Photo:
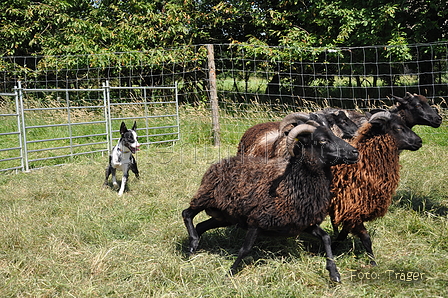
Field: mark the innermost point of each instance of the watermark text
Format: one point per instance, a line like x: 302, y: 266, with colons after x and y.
x: 388, y: 275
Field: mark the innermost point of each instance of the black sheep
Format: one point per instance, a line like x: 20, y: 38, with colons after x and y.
x: 275, y: 197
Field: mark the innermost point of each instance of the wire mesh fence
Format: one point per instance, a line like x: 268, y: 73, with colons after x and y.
x: 255, y: 83
x: 278, y: 80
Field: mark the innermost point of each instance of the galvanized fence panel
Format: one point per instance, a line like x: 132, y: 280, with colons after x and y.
x: 157, y: 108
x: 54, y: 126
x: 60, y: 124
x: 11, y: 154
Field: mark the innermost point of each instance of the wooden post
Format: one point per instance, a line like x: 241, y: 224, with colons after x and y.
x: 213, y: 94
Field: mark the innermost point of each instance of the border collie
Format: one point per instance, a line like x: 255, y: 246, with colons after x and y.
x: 121, y: 157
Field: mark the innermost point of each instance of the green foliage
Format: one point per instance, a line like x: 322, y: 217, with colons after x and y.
x: 51, y: 27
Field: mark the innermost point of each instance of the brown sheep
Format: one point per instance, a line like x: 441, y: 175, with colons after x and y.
x: 363, y: 191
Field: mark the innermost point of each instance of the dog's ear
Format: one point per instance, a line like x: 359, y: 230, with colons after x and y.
x: 123, y: 128
x: 135, y: 126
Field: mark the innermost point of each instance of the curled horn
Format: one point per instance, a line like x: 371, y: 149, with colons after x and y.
x: 296, y: 131
x: 313, y: 123
x: 293, y: 119
x: 380, y: 115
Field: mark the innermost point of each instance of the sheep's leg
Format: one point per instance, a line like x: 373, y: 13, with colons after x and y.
x: 251, y: 236
x: 188, y: 215
x: 211, y: 223
x: 317, y: 231
x: 361, y: 232
x: 342, y: 235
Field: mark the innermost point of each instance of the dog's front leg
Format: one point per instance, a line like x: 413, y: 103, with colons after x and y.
x: 114, y: 176
x: 133, y: 167
x: 124, y: 179
x: 108, y: 172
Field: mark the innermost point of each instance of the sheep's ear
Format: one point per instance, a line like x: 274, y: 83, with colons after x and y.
x: 401, y: 100
x: 378, y: 124
x: 379, y: 120
x: 123, y: 128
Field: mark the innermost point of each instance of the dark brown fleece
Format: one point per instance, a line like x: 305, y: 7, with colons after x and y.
x: 258, y: 140
x: 279, y: 196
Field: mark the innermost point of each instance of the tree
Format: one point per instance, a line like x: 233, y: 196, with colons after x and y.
x: 86, y: 26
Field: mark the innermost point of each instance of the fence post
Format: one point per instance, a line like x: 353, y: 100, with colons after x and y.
x: 213, y: 94
x: 19, y: 91
x: 106, y: 94
x: 19, y: 108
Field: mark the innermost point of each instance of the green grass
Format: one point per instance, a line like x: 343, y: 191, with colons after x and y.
x: 63, y: 235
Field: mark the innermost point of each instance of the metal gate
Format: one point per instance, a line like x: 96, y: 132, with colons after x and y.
x: 11, y: 154
x: 55, y: 126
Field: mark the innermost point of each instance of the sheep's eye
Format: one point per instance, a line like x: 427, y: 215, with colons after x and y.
x: 419, y: 106
x: 322, y: 142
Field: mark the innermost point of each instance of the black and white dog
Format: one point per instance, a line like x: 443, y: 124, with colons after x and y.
x: 121, y: 157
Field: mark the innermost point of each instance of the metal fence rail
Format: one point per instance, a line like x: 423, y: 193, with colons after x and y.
x: 53, y: 126
x: 172, y: 130
x: 11, y: 157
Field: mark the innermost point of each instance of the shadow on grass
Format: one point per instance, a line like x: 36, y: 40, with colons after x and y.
x: 421, y: 204
x: 226, y: 242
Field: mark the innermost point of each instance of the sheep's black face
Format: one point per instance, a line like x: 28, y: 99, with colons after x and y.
x: 327, y: 148
x: 405, y: 138
x: 347, y: 126
x: 417, y: 111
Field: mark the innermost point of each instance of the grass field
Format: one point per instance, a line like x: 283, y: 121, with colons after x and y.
x: 63, y: 235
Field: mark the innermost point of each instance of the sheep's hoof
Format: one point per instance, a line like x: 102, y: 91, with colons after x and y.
x: 191, y: 252
x: 194, y: 243
x: 335, y: 277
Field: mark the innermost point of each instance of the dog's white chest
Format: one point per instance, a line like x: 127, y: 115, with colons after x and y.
x: 120, y: 158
